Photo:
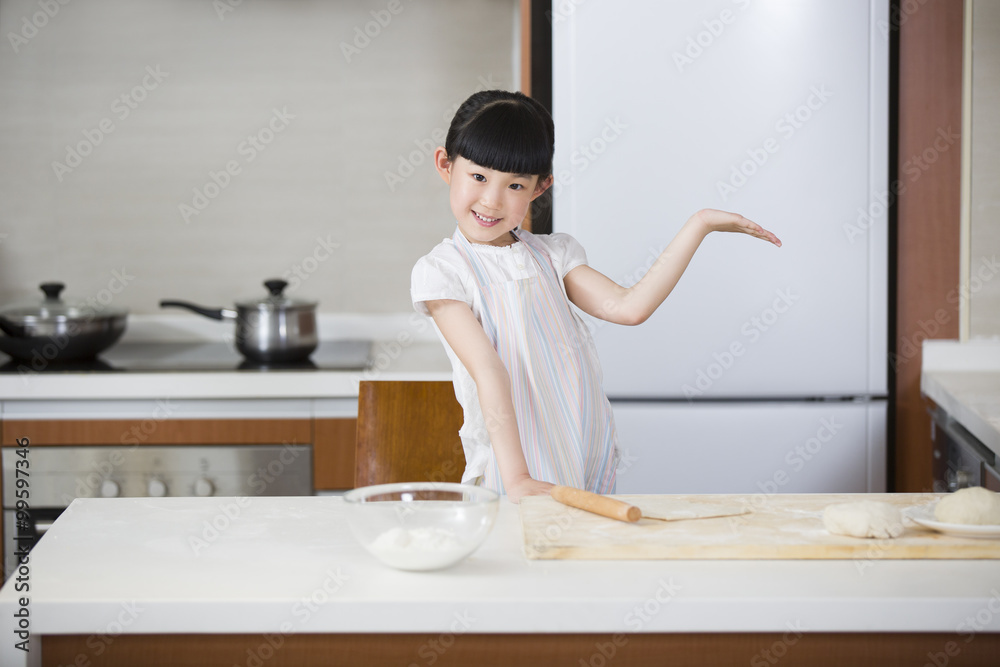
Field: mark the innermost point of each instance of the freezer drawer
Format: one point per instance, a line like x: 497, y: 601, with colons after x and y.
x: 753, y: 447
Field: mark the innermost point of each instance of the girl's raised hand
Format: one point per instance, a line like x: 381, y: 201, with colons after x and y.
x: 723, y: 221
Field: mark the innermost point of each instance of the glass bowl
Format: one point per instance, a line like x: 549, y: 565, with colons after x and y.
x: 421, y: 525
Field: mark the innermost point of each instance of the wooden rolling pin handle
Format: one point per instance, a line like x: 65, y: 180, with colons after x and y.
x: 598, y: 504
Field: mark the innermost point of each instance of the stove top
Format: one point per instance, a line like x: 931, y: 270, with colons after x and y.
x: 338, y: 355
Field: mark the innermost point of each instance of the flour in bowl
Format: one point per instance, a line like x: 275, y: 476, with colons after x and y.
x: 418, y: 548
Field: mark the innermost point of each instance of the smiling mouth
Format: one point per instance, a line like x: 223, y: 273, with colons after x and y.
x: 486, y: 220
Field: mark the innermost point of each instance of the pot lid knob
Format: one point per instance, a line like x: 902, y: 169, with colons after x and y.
x: 275, y: 287
x: 52, y: 290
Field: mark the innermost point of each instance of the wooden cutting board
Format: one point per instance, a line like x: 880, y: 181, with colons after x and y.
x: 778, y: 526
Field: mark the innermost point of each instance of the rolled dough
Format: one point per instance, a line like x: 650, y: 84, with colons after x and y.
x: 864, y: 518
x: 974, y: 505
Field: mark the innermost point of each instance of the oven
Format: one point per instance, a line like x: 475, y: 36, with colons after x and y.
x: 242, y: 457
x: 960, y: 459
x: 59, y: 474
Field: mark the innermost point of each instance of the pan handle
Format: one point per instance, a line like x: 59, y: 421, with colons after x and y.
x: 214, y: 313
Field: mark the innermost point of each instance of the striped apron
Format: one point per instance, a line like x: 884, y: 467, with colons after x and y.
x: 563, y: 417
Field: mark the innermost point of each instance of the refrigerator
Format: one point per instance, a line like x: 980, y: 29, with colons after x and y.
x: 765, y: 370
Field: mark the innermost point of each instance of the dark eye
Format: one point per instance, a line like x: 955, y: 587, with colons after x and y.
x: 479, y: 177
x: 516, y: 186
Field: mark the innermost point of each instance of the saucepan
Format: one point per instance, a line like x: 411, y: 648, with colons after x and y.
x: 53, y: 331
x: 272, y: 329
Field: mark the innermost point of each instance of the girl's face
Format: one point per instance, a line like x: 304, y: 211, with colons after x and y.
x: 487, y: 203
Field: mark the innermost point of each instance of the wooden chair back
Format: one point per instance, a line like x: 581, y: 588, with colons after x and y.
x: 408, y: 432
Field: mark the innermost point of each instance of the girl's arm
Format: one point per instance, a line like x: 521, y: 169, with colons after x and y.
x: 596, y: 294
x: 468, y: 340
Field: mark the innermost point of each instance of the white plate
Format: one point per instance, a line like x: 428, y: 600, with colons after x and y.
x: 924, y: 516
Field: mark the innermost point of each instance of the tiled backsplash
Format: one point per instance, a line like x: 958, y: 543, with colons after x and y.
x: 178, y: 149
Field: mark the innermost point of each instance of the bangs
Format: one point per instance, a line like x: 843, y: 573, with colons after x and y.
x: 505, y: 136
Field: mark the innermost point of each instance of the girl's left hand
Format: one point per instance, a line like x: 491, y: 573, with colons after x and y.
x: 527, y: 487
x: 723, y: 221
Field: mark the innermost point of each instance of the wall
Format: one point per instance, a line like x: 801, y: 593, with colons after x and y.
x: 193, y: 149
x: 984, y: 209
x: 928, y: 214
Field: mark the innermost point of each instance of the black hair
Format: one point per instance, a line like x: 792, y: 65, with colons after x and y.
x: 503, y: 130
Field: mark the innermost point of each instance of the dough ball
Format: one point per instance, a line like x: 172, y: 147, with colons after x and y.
x: 974, y: 505
x: 864, y: 518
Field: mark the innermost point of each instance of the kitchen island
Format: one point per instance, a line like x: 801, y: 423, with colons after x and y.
x: 281, y: 581
x: 963, y: 379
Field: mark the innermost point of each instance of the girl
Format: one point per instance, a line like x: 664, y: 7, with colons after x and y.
x: 525, y: 368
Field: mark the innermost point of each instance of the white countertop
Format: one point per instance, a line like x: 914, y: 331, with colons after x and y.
x: 964, y: 380
x: 291, y: 565
x: 404, y: 348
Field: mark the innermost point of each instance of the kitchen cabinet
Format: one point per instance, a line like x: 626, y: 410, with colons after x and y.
x: 332, y: 442
x: 332, y: 439
x: 960, y: 383
x: 140, y: 431
x: 326, y: 601
x: 184, y: 411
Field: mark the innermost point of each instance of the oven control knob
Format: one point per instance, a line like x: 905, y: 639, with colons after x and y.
x: 110, y: 489
x: 203, y: 487
x: 157, y: 488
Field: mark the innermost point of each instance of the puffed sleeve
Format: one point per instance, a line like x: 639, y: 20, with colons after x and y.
x: 567, y: 253
x: 432, y: 278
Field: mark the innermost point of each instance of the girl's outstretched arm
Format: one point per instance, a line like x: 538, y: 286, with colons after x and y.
x: 468, y: 340
x: 596, y: 294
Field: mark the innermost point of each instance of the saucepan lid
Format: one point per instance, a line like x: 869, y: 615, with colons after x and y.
x: 276, y: 300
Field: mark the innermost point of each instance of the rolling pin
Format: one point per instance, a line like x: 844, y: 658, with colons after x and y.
x: 598, y: 504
